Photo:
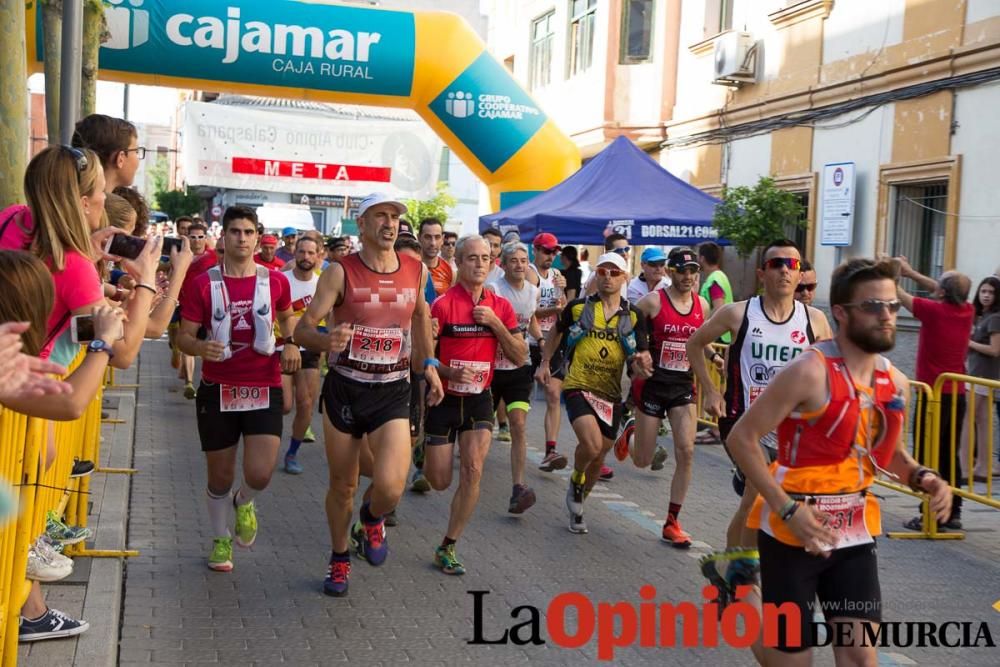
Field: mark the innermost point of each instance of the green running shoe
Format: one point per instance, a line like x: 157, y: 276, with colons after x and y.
x: 447, y: 561
x: 221, y: 559
x: 246, y: 524
x: 503, y: 433
x: 309, y: 436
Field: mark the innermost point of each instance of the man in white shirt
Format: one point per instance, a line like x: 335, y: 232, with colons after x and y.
x: 652, y: 277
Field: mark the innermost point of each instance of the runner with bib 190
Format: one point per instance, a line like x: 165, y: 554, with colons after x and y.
x: 372, y: 300
x: 237, y: 302
x: 473, y: 323
x: 840, y: 414
x: 598, y: 347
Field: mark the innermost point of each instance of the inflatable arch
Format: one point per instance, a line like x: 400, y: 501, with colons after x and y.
x: 431, y: 62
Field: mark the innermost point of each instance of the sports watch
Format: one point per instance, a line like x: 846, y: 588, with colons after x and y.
x: 100, y: 346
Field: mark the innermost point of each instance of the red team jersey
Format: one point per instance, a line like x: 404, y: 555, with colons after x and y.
x: 462, y: 342
x: 245, y: 367
x: 669, y: 332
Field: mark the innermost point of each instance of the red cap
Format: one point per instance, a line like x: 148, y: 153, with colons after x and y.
x: 547, y: 241
x: 269, y: 239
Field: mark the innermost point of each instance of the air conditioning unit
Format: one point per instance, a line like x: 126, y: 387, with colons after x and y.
x: 735, y: 59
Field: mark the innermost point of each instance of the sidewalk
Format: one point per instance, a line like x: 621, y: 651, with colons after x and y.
x: 270, y: 609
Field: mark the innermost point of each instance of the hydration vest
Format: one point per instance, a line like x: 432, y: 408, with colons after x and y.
x: 263, y: 318
x: 830, y: 437
x: 584, y: 325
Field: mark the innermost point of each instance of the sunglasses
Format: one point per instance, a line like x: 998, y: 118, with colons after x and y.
x: 805, y: 287
x: 450, y: 244
x: 605, y: 272
x: 789, y: 263
x: 197, y: 238
x: 546, y: 251
x: 875, y: 306
x: 79, y: 157
x: 622, y: 251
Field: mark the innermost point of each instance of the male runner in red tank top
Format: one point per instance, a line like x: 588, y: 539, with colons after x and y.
x: 373, y: 300
x: 674, y: 313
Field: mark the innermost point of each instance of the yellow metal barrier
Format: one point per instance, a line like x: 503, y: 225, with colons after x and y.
x: 966, y: 487
x: 718, y: 379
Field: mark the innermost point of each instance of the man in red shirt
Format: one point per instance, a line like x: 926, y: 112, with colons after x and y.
x: 473, y: 321
x: 240, y: 392
x: 945, y: 327
x: 267, y: 256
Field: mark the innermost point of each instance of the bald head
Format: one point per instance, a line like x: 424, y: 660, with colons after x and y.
x: 954, y: 287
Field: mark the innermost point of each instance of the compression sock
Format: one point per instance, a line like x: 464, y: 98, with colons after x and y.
x: 219, y: 508
x: 293, y: 447
x: 245, y: 495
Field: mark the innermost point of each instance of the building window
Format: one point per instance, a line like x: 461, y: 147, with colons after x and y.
x: 637, y: 31
x: 718, y: 16
x: 583, y: 16
x: 800, y: 234
x: 918, y: 229
x: 542, y: 36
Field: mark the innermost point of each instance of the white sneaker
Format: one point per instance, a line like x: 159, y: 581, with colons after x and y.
x: 42, y: 569
x: 48, y: 551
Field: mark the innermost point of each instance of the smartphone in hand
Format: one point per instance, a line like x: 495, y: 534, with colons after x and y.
x: 124, y: 246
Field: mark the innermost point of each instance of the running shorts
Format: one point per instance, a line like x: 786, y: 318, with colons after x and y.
x: 513, y: 387
x: 556, y: 366
x: 359, y: 408
x: 221, y: 430
x: 310, y: 360
x: 578, y: 406
x: 457, y: 414
x: 657, y: 395
x: 846, y: 584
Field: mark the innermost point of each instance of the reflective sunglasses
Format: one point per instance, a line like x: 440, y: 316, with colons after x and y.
x: 604, y: 272
x: 875, y: 306
x: 805, y: 287
x: 789, y: 263
x: 622, y: 251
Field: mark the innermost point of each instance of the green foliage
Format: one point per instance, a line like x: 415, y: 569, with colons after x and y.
x: 751, y: 217
x: 439, y: 206
x: 157, y: 174
x: 176, y: 203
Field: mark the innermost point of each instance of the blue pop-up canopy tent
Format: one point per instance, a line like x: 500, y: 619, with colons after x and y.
x: 620, y: 190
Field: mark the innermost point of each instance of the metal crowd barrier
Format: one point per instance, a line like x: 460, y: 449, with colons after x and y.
x: 965, y: 487
x: 718, y: 379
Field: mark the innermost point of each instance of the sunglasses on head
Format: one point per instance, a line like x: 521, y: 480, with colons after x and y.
x: 622, y: 251
x: 805, y: 287
x: 875, y: 306
x: 604, y: 272
x: 790, y: 263
x: 79, y: 157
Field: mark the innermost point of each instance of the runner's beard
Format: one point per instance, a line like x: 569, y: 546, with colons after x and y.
x: 305, y: 267
x: 872, y: 340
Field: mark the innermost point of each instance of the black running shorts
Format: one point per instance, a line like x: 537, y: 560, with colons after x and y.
x: 513, y: 387
x: 221, y: 430
x: 359, y: 408
x: 456, y: 414
x: 310, y: 361
x: 846, y: 584
x: 556, y: 366
x: 578, y: 406
x: 657, y: 395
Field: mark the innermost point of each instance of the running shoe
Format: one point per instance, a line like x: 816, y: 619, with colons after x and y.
x: 369, y: 541
x: 81, y: 468
x: 447, y: 561
x: 744, y: 569
x: 53, y: 624
x: 60, y: 533
x: 553, y: 461
x: 190, y: 393
x: 47, y: 565
x: 419, y: 483
x: 503, y: 433
x: 521, y: 499
x: 292, y: 465
x: 624, y: 440
x: 337, y: 576
x: 662, y: 430
x: 674, y: 535
x: 577, y: 525
x: 659, y: 458
x: 711, y: 572
x: 246, y: 524
x: 607, y: 474
x: 221, y: 558
x: 390, y: 519
x: 575, y: 495
x: 309, y: 436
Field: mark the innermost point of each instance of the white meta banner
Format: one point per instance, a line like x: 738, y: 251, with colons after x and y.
x: 837, y: 211
x: 244, y: 148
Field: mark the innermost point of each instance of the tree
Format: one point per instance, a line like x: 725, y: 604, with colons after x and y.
x: 158, y: 174
x: 52, y: 40
x: 95, y: 33
x: 176, y: 203
x: 438, y: 206
x: 751, y: 217
x: 13, y: 101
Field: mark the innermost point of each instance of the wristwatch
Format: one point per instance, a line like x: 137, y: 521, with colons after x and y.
x: 100, y: 346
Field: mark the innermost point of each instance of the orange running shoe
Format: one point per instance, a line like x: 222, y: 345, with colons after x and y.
x: 624, y: 440
x: 675, y: 535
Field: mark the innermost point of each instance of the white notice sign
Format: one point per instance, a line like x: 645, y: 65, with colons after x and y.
x: 837, y: 215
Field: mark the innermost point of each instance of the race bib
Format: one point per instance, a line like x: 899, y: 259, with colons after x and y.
x: 480, y: 370
x: 674, y: 357
x: 847, y: 517
x: 546, y: 323
x: 502, y: 363
x: 376, y: 346
x: 605, y: 409
x: 236, y: 398
x: 754, y: 393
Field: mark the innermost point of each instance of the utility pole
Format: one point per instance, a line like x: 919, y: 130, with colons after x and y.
x: 72, y: 68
